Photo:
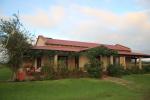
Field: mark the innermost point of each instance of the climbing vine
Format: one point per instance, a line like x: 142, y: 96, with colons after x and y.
x: 94, y: 67
x: 101, y: 50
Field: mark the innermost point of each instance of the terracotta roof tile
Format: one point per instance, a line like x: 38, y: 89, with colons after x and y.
x: 59, y: 48
x: 118, y: 47
x: 71, y: 43
x: 133, y: 54
x: 76, y: 46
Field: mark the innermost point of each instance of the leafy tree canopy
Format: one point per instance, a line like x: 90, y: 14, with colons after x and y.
x: 15, y: 40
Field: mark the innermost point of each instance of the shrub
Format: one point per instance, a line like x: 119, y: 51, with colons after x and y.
x: 115, y: 70
x: 136, y: 70
x: 47, y: 72
x: 77, y: 73
x: 94, y: 69
x: 36, y: 76
x: 146, y: 68
x: 127, y: 71
x: 62, y: 70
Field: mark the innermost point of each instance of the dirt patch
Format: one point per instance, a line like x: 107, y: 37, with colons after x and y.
x: 118, y: 81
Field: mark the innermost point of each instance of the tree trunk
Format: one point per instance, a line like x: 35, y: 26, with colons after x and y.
x: 14, y: 76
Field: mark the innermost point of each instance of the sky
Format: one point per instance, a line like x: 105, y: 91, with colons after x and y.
x: 125, y: 22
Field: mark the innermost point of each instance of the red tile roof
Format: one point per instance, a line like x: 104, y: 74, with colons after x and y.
x: 118, y: 47
x: 67, y: 45
x: 84, y: 44
x: 71, y: 43
x: 133, y: 54
x: 75, y: 46
x: 60, y: 48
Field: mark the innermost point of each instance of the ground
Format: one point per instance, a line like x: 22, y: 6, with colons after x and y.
x: 131, y: 87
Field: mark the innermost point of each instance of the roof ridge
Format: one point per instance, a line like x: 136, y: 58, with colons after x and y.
x: 122, y: 46
x: 73, y: 41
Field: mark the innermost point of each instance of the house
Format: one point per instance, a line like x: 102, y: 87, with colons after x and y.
x: 125, y: 54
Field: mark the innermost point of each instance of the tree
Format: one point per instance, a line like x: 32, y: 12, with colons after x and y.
x: 15, y: 40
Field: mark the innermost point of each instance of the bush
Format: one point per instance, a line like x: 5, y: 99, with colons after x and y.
x: 136, y: 70
x: 94, y: 69
x: 115, y: 70
x: 36, y: 76
x: 146, y: 68
x: 62, y: 70
x: 127, y: 71
x: 77, y: 73
x: 47, y: 72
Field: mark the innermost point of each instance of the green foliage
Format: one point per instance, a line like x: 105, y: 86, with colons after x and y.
x: 101, y: 50
x: 62, y: 69
x: 135, y: 70
x: 16, y: 41
x: 115, y: 70
x: 94, y: 69
x: 146, y: 68
x: 38, y: 53
x: 47, y: 72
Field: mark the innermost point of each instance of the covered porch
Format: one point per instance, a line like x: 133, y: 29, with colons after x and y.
x: 57, y: 61
x: 78, y: 62
x: 133, y: 59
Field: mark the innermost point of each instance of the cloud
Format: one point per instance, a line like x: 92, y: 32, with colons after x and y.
x: 143, y: 3
x: 131, y: 29
x: 45, y: 19
x: 86, y: 23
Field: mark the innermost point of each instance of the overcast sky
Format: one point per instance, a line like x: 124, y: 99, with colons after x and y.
x: 124, y: 22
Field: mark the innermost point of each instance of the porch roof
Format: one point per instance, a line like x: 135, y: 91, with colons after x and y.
x: 60, y: 48
x: 134, y: 54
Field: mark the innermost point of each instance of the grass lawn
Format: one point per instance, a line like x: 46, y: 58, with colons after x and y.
x: 138, y: 88
x: 5, y: 73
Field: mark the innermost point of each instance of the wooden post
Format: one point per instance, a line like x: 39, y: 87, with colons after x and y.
x: 117, y: 60
x: 123, y: 61
x: 35, y: 63
x: 105, y: 62
x: 135, y: 63
x: 140, y: 63
x: 111, y: 60
x: 55, y: 61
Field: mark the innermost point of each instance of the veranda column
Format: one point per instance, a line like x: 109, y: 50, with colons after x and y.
x: 105, y: 62
x: 140, y: 63
x: 111, y: 60
x: 35, y: 63
x: 123, y: 61
x: 135, y: 63
x: 55, y: 61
